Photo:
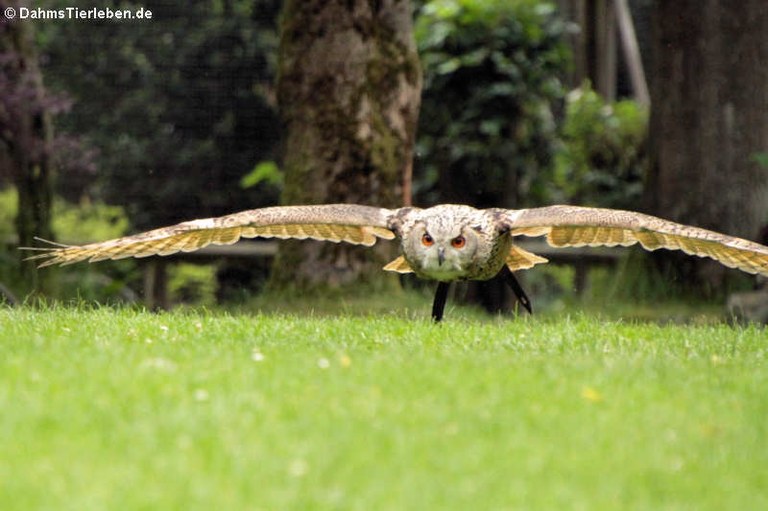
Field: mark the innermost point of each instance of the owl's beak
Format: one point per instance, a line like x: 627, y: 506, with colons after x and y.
x: 440, y: 255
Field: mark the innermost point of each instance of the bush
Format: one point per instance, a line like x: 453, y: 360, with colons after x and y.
x: 8, y: 205
x: 603, y: 154
x: 88, y: 221
x: 192, y: 284
x: 492, y: 89
x: 75, y: 223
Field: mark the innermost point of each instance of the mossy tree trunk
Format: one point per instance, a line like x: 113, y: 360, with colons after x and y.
x: 709, y: 124
x: 25, y: 137
x: 349, y: 85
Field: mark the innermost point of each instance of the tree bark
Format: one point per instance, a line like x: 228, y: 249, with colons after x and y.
x: 709, y: 121
x: 348, y: 91
x: 25, y: 137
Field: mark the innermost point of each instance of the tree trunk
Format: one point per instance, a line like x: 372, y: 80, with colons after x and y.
x: 26, y: 134
x: 709, y: 123
x: 348, y: 91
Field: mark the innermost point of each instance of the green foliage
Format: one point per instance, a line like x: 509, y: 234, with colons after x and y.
x: 179, y: 108
x: 9, y: 260
x: 121, y: 409
x: 9, y: 203
x: 264, y: 172
x: 603, y: 156
x: 491, y: 87
x: 761, y: 158
x: 192, y: 284
x: 88, y: 221
x: 112, y: 282
x: 175, y: 111
x: 83, y: 222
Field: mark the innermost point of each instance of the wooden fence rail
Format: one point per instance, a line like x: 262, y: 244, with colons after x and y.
x: 156, y: 268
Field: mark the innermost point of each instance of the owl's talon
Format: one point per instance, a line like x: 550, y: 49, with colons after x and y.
x: 441, y: 295
x: 446, y: 243
x: 515, y: 286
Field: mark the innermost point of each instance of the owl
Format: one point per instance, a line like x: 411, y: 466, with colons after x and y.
x: 444, y: 243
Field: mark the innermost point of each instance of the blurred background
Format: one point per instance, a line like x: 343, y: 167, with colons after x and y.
x: 111, y: 127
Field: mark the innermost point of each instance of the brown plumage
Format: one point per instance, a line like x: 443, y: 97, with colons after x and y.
x: 444, y: 243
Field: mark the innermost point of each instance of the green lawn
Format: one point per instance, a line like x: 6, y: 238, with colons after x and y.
x: 118, y: 409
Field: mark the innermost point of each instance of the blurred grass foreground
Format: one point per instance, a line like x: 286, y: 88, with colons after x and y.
x: 116, y: 408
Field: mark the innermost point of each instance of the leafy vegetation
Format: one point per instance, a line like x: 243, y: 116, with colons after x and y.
x: 602, y: 159
x: 185, y: 104
x: 85, y: 221
x: 82, y: 222
x: 761, y: 158
x: 263, y: 172
x: 492, y: 87
x: 118, y: 408
x: 151, y: 114
x: 178, y: 109
x: 116, y: 281
x: 492, y: 124
x: 8, y: 206
x: 193, y: 283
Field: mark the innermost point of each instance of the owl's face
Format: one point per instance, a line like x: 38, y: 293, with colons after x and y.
x: 440, y: 250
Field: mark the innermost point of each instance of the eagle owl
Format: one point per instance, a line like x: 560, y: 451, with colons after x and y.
x: 445, y: 243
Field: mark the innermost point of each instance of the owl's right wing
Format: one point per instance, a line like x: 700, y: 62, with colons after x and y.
x: 572, y: 226
x: 351, y: 223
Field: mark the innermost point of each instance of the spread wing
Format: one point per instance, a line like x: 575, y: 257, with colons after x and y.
x: 351, y: 223
x: 572, y: 226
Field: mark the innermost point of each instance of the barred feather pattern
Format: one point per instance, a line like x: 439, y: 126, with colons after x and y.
x: 359, y: 225
x: 563, y: 226
x: 520, y: 259
x: 572, y: 226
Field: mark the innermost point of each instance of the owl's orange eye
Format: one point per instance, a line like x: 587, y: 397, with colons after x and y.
x: 427, y: 240
x: 458, y: 242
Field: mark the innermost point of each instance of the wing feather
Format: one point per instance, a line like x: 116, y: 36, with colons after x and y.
x: 520, y: 259
x: 572, y: 226
x: 350, y: 223
x: 399, y: 265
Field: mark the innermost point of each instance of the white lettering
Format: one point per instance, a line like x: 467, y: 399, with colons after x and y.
x: 77, y: 13
x: 40, y: 14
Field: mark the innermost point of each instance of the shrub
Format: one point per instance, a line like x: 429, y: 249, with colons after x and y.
x: 603, y: 153
x: 492, y: 88
x: 75, y: 223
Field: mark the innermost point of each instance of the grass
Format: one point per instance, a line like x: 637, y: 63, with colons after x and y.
x: 122, y: 409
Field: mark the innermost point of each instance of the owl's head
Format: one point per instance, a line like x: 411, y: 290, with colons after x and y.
x: 442, y: 249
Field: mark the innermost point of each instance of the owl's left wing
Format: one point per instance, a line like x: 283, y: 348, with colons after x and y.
x: 351, y: 223
x: 572, y: 226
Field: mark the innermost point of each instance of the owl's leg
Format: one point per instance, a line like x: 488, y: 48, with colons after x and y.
x: 514, y: 284
x: 441, y: 295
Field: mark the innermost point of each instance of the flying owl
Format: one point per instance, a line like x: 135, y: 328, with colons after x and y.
x: 445, y: 243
